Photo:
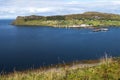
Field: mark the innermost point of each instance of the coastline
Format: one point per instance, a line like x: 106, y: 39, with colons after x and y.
x: 85, y: 25
x: 85, y: 20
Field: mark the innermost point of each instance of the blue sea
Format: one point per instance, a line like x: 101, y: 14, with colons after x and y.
x: 22, y: 48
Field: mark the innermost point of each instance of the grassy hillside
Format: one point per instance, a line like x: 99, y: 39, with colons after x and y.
x: 89, y: 18
x: 106, y: 69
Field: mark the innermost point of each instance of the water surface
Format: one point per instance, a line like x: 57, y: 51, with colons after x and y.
x: 24, y: 47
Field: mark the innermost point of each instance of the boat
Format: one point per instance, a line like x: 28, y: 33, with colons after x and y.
x: 100, y: 29
x: 104, y: 29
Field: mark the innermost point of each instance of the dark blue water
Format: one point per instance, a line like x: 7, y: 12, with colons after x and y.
x: 24, y: 47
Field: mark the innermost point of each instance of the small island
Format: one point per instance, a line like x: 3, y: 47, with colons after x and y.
x: 85, y: 20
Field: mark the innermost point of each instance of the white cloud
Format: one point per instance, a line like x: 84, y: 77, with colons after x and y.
x: 13, y: 8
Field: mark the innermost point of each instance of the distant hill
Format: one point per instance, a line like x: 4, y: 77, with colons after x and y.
x: 67, y: 20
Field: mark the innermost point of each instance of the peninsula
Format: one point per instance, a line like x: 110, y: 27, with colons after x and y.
x: 86, y: 20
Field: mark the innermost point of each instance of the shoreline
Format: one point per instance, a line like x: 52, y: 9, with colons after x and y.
x: 77, y: 26
x: 73, y: 64
x: 48, y: 73
x: 87, y: 19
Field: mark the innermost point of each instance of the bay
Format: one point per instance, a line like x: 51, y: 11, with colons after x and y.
x: 28, y: 47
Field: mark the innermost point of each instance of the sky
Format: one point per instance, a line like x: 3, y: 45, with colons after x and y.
x: 13, y: 8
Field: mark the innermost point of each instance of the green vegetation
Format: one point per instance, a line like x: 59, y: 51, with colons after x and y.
x: 107, y: 69
x: 93, y: 19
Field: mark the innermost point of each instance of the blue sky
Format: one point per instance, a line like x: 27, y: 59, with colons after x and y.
x: 13, y: 8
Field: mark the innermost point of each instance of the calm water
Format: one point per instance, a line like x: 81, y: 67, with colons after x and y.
x: 24, y: 47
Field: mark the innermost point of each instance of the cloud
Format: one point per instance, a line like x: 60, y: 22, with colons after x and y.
x: 13, y: 8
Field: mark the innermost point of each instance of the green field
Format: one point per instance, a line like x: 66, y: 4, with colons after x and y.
x: 94, y: 19
x: 70, y: 23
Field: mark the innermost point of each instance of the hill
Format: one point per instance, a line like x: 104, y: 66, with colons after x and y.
x: 89, y: 19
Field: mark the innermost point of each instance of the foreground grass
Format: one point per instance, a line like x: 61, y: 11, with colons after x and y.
x: 105, y: 70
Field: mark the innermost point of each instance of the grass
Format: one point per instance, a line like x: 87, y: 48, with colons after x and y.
x: 68, y: 23
x: 106, y: 69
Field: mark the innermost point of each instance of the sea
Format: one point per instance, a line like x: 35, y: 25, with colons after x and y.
x: 26, y: 47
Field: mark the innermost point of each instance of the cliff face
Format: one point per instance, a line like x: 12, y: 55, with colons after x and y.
x: 87, y: 16
x: 19, y: 21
